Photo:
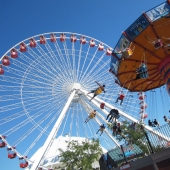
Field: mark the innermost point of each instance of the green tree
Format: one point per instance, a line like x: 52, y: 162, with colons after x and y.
x: 81, y: 155
x: 131, y: 134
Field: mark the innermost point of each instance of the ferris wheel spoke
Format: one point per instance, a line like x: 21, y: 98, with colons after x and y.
x: 68, y: 61
x: 95, y: 65
x: 55, y: 60
x: 74, y: 61
x: 78, y: 64
x: 42, y: 132
x: 37, y: 125
x: 64, y: 64
x: 23, y: 123
x: 89, y: 64
x: 96, y: 74
x: 81, y: 76
x: 11, y: 118
x: 42, y: 65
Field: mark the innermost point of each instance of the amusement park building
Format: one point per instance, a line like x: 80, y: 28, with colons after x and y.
x: 52, y: 158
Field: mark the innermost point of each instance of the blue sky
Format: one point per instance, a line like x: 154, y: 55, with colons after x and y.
x: 102, y: 20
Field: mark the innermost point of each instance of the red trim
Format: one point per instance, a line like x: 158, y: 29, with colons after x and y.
x: 163, y: 63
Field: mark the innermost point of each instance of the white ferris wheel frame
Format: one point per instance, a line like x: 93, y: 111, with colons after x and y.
x: 96, y: 101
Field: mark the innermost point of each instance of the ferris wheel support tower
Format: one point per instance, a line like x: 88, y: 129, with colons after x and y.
x: 53, y: 132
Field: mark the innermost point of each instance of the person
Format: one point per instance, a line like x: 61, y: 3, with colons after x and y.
x: 113, y: 114
x: 166, y: 119
x: 150, y: 123
x: 119, y: 130
x: 114, y: 128
x: 91, y: 116
x: 97, y: 91
x: 133, y: 125
x: 120, y: 97
x: 102, y: 127
x: 156, y: 123
x: 142, y: 72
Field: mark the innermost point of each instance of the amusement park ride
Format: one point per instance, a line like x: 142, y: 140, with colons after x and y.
x: 44, y: 81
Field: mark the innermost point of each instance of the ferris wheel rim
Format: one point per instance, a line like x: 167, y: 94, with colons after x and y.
x: 48, y: 33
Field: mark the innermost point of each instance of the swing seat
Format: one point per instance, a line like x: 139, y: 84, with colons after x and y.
x: 127, y: 53
x: 158, y: 44
x: 102, y: 105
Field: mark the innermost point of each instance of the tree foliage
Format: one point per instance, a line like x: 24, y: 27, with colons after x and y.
x: 81, y: 155
x: 131, y: 134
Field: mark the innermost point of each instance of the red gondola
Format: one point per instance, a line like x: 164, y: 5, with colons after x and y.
x: 1, y: 70
x: 42, y: 40
x: 11, y: 153
x: 82, y: 40
x: 32, y: 43
x: 73, y: 38
x: 14, y: 53
x: 92, y: 43
x: 6, y: 61
x: 52, y: 38
x: 100, y: 47
x: 108, y: 52
x: 23, y: 47
x: 62, y: 37
x: 143, y: 106
x: 23, y: 163
x: 144, y: 116
x: 142, y: 97
x: 2, y: 143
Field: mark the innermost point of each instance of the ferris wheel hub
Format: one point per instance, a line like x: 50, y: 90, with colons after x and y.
x: 73, y: 86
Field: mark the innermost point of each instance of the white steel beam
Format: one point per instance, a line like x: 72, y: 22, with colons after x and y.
x: 53, y: 133
x: 109, y: 106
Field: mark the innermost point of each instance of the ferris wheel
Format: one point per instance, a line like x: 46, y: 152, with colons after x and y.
x: 44, y: 85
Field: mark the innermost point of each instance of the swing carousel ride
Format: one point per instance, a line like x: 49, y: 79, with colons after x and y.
x: 45, y: 79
